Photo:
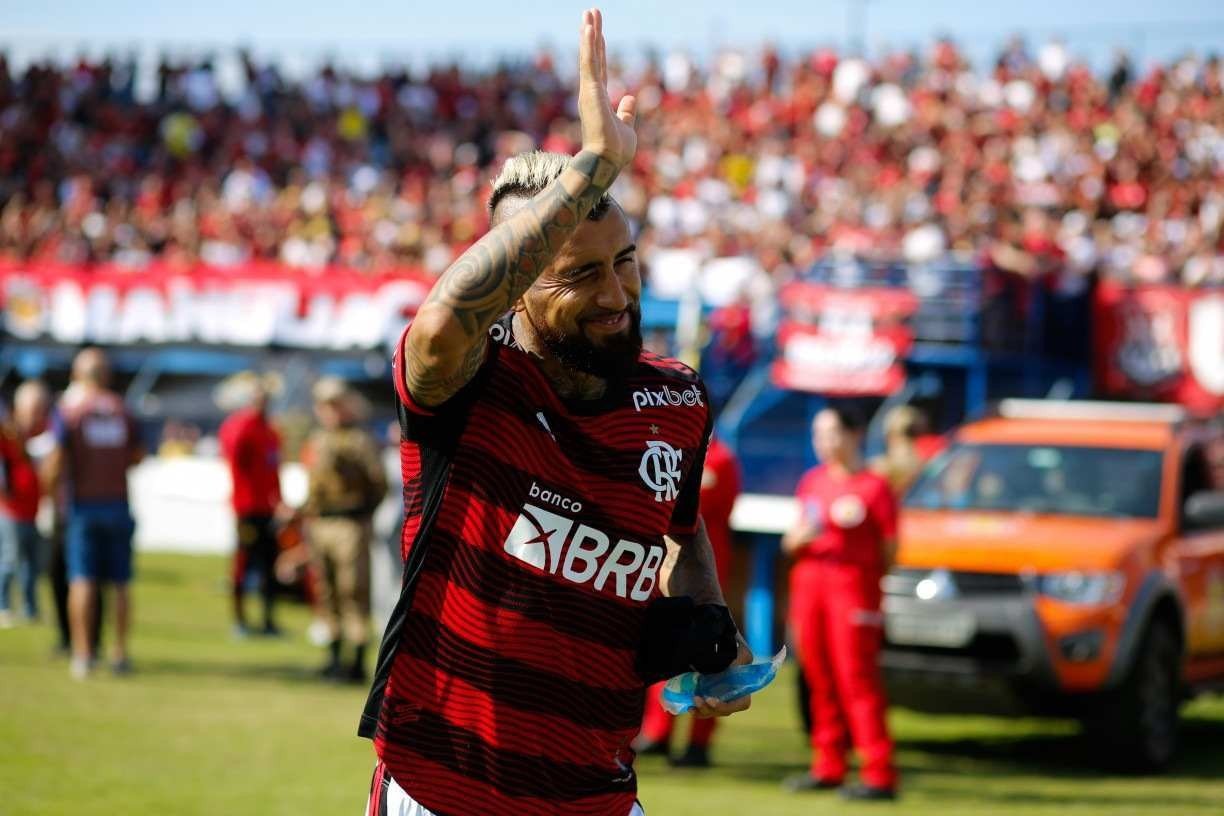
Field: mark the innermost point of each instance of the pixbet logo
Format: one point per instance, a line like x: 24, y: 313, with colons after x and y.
x: 661, y: 397
x: 582, y: 554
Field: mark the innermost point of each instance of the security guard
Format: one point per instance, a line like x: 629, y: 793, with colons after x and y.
x: 346, y: 484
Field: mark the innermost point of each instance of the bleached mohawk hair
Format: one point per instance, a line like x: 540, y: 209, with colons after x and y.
x: 526, y: 175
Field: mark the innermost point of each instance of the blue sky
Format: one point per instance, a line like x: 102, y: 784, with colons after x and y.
x: 374, y: 29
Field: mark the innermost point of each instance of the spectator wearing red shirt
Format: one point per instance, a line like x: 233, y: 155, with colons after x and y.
x: 20, y: 547
x: 251, y: 447
x: 720, y: 486
x: 843, y: 543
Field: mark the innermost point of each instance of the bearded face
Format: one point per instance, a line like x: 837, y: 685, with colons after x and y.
x: 586, y: 307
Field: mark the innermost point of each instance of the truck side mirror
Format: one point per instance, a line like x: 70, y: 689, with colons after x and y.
x: 1204, y: 510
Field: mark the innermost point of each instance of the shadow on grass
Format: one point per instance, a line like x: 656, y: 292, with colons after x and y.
x: 938, y: 768
x: 278, y: 672
x: 984, y: 796
x: 1200, y: 754
x: 765, y: 772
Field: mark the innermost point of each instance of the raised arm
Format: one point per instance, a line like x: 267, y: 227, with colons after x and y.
x: 445, y: 344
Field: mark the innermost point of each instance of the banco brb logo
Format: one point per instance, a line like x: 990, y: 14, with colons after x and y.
x: 660, y: 469
x: 554, y: 543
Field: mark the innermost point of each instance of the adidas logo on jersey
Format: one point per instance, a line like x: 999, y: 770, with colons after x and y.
x: 660, y: 397
x: 582, y: 554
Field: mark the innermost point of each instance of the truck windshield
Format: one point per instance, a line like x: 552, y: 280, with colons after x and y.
x: 1065, y: 480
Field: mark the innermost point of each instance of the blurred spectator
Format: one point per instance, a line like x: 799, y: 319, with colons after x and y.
x: 251, y: 447
x: 901, y: 461
x: 41, y: 449
x: 20, y: 492
x: 843, y: 543
x: 720, y: 486
x: 178, y: 439
x: 346, y: 485
x: 97, y: 441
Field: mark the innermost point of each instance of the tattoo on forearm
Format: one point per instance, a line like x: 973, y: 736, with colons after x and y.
x: 484, y: 282
x: 430, y: 386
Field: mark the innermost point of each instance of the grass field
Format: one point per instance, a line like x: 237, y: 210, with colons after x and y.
x: 212, y: 726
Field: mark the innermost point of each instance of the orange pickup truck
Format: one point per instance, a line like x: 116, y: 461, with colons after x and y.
x: 1065, y: 558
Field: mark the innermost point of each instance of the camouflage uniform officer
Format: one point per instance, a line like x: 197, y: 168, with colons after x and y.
x: 346, y: 484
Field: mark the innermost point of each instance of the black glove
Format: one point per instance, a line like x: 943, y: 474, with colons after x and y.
x: 680, y: 636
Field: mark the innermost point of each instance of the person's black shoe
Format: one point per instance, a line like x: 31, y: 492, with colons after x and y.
x: 801, y: 783
x: 648, y: 747
x: 696, y: 756
x: 331, y: 671
x: 868, y: 793
x: 271, y: 630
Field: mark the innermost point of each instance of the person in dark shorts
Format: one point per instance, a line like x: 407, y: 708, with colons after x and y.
x: 39, y: 448
x: 251, y: 447
x: 555, y: 561
x: 96, y: 443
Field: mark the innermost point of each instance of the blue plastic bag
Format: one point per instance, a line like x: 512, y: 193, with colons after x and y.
x: 725, y: 686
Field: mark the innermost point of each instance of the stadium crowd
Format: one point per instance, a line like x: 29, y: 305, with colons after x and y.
x: 1033, y: 166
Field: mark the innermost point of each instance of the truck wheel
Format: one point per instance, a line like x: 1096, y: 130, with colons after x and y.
x: 1137, y: 724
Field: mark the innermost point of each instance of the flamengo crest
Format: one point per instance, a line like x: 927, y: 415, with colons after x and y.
x: 660, y: 469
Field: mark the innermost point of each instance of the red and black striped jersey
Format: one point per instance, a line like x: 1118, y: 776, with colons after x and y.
x: 533, y: 539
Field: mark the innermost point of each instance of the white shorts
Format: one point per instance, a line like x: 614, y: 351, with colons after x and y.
x: 389, y: 799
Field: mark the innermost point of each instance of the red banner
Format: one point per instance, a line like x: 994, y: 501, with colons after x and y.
x: 843, y: 342
x: 1161, y: 343
x: 255, y: 305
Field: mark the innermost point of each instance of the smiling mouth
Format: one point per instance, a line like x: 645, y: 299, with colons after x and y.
x: 611, y: 322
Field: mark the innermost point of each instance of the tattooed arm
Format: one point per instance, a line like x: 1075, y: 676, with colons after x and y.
x: 446, y: 342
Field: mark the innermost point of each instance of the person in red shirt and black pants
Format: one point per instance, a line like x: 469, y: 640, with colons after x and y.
x: 843, y: 543
x: 251, y: 446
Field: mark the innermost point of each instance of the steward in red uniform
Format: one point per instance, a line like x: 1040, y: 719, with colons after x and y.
x: 251, y: 447
x: 842, y: 543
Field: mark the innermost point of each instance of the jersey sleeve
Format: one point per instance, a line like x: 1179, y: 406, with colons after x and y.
x: 688, y: 503
x: 274, y: 486
x: 720, y: 485
x: 399, y: 376
x: 226, y: 438
x: 437, y: 426
x: 885, y: 510
x: 806, y: 484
